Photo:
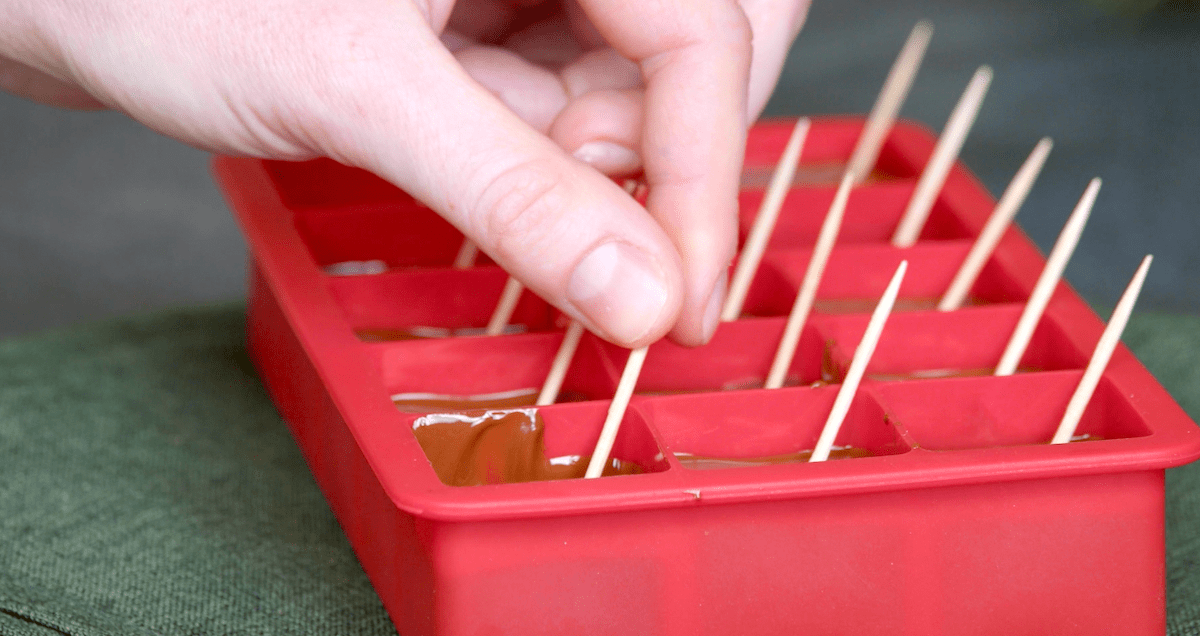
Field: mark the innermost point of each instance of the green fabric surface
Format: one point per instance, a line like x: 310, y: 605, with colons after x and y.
x: 147, y: 486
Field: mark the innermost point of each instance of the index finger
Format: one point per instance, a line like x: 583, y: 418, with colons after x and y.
x: 695, y: 58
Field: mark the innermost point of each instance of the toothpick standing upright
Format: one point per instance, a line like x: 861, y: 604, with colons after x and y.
x: 1101, y: 356
x: 764, y: 223
x: 942, y: 159
x: 858, y: 366
x: 1010, y: 202
x: 1047, y: 282
x: 891, y: 98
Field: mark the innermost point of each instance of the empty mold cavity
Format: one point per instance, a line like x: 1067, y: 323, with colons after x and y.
x: 738, y: 357
x: 325, y: 183
x: 398, y: 235
x: 934, y: 344
x: 472, y: 373
x: 1018, y: 410
x: 454, y: 302
x: 856, y: 276
x: 827, y: 148
x: 516, y: 445
x: 759, y: 427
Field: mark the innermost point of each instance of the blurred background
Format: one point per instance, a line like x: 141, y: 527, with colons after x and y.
x: 100, y: 216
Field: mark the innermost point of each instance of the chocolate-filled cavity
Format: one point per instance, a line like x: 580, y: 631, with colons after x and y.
x: 700, y: 462
x: 436, y: 403
x: 1017, y: 410
x: 934, y: 345
x: 442, y: 299
x: 499, y: 447
x: 418, y: 332
x: 440, y: 403
x: 810, y: 174
x: 841, y: 306
x: 738, y: 357
x: 763, y: 427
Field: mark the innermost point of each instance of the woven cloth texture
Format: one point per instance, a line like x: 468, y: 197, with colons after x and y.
x: 147, y: 486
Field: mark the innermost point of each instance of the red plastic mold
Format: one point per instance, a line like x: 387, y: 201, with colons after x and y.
x: 964, y: 521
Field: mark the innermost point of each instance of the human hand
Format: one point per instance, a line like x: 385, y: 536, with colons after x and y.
x: 475, y: 109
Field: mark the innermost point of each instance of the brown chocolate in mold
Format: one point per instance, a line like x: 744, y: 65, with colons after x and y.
x: 701, y: 462
x: 499, y: 447
x: 419, y: 332
x: 439, y: 403
x: 820, y: 173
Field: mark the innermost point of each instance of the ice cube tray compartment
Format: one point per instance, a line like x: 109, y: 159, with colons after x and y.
x: 482, y: 366
x: 949, y: 521
x: 1018, y: 410
x: 442, y: 298
x: 763, y: 423
x: 856, y: 276
x: 738, y: 357
x: 399, y: 235
x: 968, y: 340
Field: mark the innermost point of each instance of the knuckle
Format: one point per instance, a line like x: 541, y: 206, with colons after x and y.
x: 520, y: 208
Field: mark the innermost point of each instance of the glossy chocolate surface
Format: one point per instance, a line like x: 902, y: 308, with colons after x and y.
x: 499, y: 447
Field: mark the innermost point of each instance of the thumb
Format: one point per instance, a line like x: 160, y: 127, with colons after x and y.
x: 567, y: 232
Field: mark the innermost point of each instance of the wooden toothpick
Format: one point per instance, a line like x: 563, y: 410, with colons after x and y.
x: 1101, y: 356
x: 808, y: 287
x: 1010, y: 202
x: 942, y: 159
x: 616, y: 412
x: 1047, y: 282
x: 467, y: 253
x: 764, y: 223
x: 858, y: 365
x: 891, y: 98
x: 505, y: 307
x: 562, y: 360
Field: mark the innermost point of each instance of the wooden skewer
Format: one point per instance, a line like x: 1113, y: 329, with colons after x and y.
x: 1047, y: 282
x: 1010, y: 202
x: 808, y: 287
x: 505, y: 308
x: 942, y: 159
x: 1102, y: 354
x: 467, y: 253
x: 764, y: 223
x: 858, y: 365
x: 562, y: 360
x: 891, y: 98
x: 616, y: 412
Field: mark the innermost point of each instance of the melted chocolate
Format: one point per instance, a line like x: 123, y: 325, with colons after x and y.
x: 421, y: 333
x: 701, y: 462
x: 433, y: 402
x: 499, y: 447
x: 821, y: 173
x: 356, y: 268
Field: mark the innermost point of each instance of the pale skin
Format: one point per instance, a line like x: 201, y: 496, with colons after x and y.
x: 507, y: 117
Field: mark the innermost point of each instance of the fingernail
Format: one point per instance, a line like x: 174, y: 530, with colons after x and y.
x: 620, y: 290
x: 712, y: 312
x: 607, y: 156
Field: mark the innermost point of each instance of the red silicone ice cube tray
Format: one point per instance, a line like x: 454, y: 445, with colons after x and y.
x: 963, y: 520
